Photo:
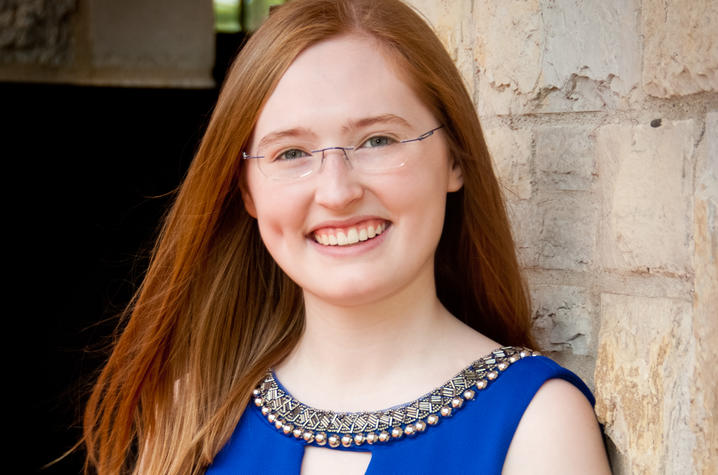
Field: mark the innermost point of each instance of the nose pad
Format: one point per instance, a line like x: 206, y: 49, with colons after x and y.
x: 347, y: 160
x: 336, y: 187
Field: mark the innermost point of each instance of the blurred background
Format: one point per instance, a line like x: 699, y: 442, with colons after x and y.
x: 103, y: 106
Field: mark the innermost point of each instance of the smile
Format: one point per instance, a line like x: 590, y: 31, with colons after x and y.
x: 351, y: 234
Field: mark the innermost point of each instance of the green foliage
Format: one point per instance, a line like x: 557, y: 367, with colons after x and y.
x: 227, y: 16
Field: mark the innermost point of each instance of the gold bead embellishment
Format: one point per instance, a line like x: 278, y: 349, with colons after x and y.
x: 347, y: 429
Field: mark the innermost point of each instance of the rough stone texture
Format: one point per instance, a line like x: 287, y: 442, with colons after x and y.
x: 107, y: 42
x: 522, y: 216
x: 454, y: 27
x: 556, y: 231
x: 565, y: 158
x: 36, y: 31
x: 564, y: 322
x: 647, y: 196
x: 555, y: 55
x: 127, y: 33
x: 566, y: 227
x: 615, y: 214
x: 705, y: 301
x: 511, y: 151
x: 643, y: 382
x: 563, y: 318
x: 680, y: 49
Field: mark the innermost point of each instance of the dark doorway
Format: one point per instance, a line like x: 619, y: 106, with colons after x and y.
x: 89, y: 172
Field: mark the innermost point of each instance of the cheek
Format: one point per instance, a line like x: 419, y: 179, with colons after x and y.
x: 419, y: 199
x: 280, y: 213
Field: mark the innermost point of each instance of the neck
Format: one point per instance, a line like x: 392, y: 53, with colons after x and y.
x: 371, y: 338
x: 400, y: 343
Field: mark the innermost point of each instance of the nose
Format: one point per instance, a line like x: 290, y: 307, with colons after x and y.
x: 337, y: 185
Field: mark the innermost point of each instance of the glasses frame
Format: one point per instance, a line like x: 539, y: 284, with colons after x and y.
x: 421, y: 137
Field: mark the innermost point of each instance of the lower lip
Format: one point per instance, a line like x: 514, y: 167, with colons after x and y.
x: 352, y: 249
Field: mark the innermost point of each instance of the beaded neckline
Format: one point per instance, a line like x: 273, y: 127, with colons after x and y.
x: 347, y: 429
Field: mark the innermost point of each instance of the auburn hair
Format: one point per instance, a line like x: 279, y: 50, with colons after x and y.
x: 214, y: 311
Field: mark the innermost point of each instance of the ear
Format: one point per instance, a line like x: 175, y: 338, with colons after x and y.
x: 456, y: 177
x: 247, y: 198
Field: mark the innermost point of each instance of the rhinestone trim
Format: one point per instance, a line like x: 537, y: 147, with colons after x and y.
x: 317, y: 426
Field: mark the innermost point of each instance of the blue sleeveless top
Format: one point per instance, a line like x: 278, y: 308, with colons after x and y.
x: 464, y: 426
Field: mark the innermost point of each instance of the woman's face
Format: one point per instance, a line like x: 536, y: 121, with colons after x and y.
x: 342, y: 92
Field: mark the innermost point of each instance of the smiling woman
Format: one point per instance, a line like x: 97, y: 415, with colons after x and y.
x: 341, y: 231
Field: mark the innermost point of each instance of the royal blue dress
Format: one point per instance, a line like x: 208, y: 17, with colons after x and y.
x: 464, y: 426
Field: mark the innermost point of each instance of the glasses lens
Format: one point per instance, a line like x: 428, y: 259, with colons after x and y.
x: 379, y: 153
x: 288, y: 164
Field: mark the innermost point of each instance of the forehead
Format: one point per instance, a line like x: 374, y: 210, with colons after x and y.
x: 347, y: 78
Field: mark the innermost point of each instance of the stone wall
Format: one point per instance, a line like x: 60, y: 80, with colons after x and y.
x: 602, y: 118
x: 162, y: 43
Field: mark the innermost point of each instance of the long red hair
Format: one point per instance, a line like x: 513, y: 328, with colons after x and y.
x: 214, y: 311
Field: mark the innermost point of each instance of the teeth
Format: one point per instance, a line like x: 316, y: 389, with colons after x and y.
x: 352, y: 236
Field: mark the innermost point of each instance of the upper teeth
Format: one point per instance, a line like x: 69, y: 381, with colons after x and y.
x: 351, y: 236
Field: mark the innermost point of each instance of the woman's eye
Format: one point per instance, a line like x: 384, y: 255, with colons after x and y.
x: 291, y: 154
x: 378, y: 141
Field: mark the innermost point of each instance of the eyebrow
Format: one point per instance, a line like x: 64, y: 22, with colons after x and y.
x: 289, y: 133
x: 379, y: 119
x: 347, y: 127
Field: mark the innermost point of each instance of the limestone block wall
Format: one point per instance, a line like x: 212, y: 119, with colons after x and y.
x: 602, y: 118
x: 159, y: 43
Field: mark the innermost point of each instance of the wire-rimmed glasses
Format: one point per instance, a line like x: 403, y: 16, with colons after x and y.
x: 375, y: 154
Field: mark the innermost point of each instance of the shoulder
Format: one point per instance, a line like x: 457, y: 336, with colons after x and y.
x: 557, y: 433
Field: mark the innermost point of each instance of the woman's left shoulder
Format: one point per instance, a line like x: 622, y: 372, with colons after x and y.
x: 557, y: 433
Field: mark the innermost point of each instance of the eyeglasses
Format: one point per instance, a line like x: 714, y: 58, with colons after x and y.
x: 376, y: 154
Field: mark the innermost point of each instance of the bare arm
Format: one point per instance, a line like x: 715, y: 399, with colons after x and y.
x: 558, y: 434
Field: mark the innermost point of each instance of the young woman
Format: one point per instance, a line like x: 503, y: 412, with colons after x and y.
x: 332, y: 288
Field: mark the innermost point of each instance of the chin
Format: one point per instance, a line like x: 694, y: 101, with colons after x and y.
x: 350, y: 294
